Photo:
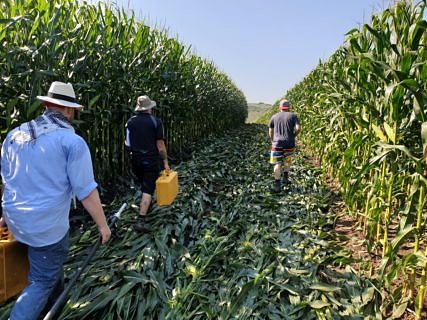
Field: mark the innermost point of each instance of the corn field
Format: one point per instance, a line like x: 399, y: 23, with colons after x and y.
x: 228, y: 248
x: 110, y: 58
x: 364, y: 114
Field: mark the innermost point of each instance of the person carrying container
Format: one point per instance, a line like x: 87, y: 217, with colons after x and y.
x: 146, y: 142
x: 44, y: 164
x: 284, y: 126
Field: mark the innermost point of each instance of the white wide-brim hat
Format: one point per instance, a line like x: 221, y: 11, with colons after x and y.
x: 61, y: 94
x: 144, y: 103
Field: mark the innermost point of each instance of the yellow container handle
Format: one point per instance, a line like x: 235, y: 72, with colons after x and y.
x: 5, y: 235
x: 166, y: 173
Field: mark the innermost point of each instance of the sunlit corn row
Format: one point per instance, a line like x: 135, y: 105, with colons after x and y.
x: 110, y: 58
x: 364, y: 113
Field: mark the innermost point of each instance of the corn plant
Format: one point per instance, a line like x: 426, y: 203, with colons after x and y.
x: 110, y: 58
x: 364, y: 111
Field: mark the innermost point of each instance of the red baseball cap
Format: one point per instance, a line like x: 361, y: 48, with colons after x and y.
x: 284, y: 104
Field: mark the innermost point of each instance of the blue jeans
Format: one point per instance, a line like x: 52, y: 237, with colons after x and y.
x: 46, y: 270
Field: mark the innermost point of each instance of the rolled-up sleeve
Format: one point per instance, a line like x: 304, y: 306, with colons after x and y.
x: 80, y: 170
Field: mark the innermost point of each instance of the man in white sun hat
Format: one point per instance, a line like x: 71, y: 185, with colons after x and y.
x: 44, y: 163
x: 146, y: 140
x: 283, y: 127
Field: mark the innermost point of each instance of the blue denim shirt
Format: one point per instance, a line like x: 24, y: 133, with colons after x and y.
x: 40, y: 178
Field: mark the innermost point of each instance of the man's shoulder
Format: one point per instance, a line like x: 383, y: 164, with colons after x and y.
x: 132, y: 117
x: 69, y: 136
x: 274, y: 116
x: 72, y: 142
x: 18, y: 127
x: 294, y: 115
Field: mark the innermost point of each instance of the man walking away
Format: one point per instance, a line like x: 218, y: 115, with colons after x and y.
x: 283, y: 128
x: 44, y: 164
x: 145, y: 139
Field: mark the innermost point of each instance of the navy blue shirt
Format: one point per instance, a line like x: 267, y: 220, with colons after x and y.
x: 142, y: 132
x: 283, y: 124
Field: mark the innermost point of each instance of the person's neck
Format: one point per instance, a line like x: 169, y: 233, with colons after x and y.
x: 60, y: 112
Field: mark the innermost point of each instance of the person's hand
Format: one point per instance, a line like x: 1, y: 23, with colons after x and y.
x: 167, y: 169
x: 105, y: 233
x: 2, y: 222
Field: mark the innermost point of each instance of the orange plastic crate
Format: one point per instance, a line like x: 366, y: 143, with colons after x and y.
x: 166, y: 188
x: 13, y: 266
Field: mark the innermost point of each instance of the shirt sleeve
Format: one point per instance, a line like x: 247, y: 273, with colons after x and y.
x: 271, y: 123
x: 79, y: 169
x: 4, y: 167
x: 127, y: 137
x: 3, y: 156
x: 1, y: 148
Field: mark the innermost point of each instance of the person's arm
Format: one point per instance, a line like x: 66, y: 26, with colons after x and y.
x: 297, y: 129
x: 163, y: 153
x: 2, y: 222
x: 271, y: 128
x: 127, y: 139
x: 92, y: 204
x: 160, y: 143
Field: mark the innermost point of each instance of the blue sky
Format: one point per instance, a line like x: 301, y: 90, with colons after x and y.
x: 264, y: 46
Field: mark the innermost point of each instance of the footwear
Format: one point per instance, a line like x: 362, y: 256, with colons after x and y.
x: 285, y: 179
x: 141, y: 225
x: 277, y: 186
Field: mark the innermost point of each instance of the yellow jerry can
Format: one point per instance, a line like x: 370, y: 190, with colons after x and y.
x: 13, y: 266
x: 166, y: 188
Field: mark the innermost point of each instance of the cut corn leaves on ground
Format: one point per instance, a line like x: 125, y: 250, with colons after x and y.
x: 226, y: 249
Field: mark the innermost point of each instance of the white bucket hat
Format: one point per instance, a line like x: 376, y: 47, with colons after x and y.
x: 144, y: 103
x: 62, y: 94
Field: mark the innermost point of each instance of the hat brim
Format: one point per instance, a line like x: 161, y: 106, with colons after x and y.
x: 60, y: 102
x: 139, y: 108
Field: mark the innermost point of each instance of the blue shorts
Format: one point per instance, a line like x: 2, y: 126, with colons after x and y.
x: 278, y: 155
